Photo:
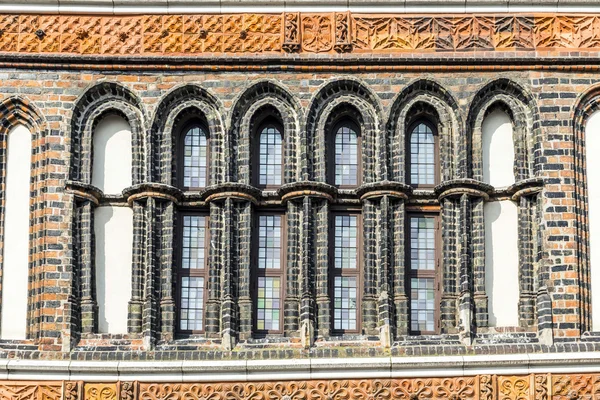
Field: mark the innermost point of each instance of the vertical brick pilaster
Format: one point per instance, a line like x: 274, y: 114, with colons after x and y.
x: 229, y: 331
x: 291, y: 306
x: 167, y: 299
x: 241, y: 234
x: 310, y: 236
x: 478, y: 244
x: 465, y: 307
x: 213, y: 304
x: 526, y: 292
x: 150, y: 306
x: 321, y: 232
x: 138, y: 269
x: 448, y: 317
x: 89, y: 307
x: 369, y: 298
x: 399, y: 270
x: 383, y: 273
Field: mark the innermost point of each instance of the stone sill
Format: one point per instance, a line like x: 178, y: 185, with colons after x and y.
x: 299, y: 369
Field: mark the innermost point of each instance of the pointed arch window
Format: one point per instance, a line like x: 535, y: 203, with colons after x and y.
x: 423, y: 155
x: 346, y: 155
x: 195, y: 157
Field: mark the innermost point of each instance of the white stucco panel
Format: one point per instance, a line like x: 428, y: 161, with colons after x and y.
x: 111, y: 170
x: 498, y: 149
x: 16, y: 235
x: 592, y: 150
x: 502, y: 262
x: 113, y: 227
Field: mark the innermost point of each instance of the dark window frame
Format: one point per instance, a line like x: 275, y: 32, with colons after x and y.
x: 193, y: 122
x: 180, y: 273
x: 334, y: 272
x: 436, y: 151
x: 257, y: 273
x: 330, y: 159
x: 436, y: 274
x: 268, y: 120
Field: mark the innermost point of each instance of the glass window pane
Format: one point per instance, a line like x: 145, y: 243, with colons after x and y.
x: 269, y: 239
x: 422, y: 243
x: 192, y: 303
x: 346, y: 156
x: 268, y: 304
x: 346, y: 241
x: 344, y: 315
x: 194, y: 158
x: 422, y: 156
x: 194, y: 231
x: 270, y: 156
x: 422, y: 302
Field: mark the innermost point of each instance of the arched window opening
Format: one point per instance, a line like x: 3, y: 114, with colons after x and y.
x: 347, y: 155
x: 498, y: 149
x: 592, y: 149
x: 423, y: 155
x: 113, y: 225
x: 15, y: 268
x: 195, y: 157
x: 270, y: 156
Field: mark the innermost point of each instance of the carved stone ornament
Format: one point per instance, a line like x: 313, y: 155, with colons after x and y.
x: 291, y: 26
x: 342, y: 33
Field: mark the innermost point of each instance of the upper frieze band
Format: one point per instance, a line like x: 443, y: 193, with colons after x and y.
x: 297, y: 33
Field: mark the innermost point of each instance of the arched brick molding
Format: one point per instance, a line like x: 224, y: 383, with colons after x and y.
x: 520, y: 106
x: 98, y: 101
x: 351, y: 97
x: 261, y: 96
x: 189, y: 101
x: 13, y: 112
x: 587, y: 104
x: 424, y: 98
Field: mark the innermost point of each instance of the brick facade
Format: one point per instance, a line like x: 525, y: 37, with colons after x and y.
x: 546, y: 84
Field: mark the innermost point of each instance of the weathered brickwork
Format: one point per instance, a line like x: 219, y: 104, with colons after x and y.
x: 61, y: 107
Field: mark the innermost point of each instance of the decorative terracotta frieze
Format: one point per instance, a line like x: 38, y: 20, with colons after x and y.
x: 295, y: 33
x: 480, y: 387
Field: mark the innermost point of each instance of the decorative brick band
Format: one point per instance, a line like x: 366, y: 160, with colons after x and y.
x: 232, y: 195
x: 155, y: 195
x: 479, y: 387
x: 295, y: 33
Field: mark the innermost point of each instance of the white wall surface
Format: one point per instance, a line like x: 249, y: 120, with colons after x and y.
x: 502, y: 262
x: 111, y: 170
x: 16, y: 235
x: 113, y: 227
x: 498, y: 150
x: 592, y: 152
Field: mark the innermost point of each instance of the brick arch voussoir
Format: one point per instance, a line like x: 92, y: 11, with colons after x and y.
x: 258, y: 94
x: 161, y: 138
x: 521, y: 106
x: 357, y: 94
x: 365, y: 116
x: 93, y: 104
x: 438, y: 110
x: 585, y: 106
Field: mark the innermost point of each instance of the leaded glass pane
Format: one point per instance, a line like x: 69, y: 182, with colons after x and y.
x: 422, y: 243
x: 344, y: 298
x: 269, y: 304
x: 269, y: 242
x: 195, y: 158
x: 422, y: 156
x: 192, y: 303
x: 194, y: 231
x: 345, y: 247
x: 270, y: 156
x: 346, y: 156
x: 422, y: 304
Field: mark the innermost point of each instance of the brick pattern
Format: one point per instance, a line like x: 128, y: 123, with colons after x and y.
x: 554, y: 292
